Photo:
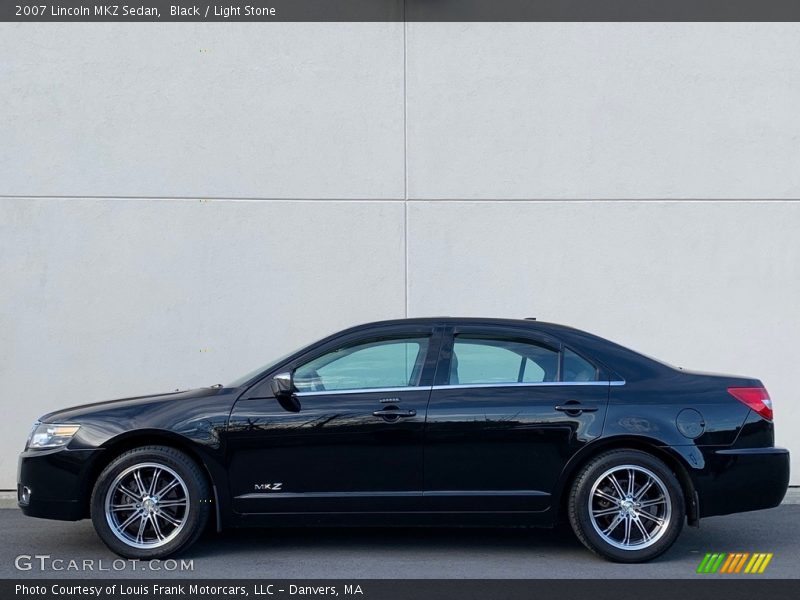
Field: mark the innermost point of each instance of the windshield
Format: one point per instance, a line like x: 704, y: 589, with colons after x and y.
x: 250, y: 375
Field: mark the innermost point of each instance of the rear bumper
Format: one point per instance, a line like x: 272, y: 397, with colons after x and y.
x: 742, y: 480
x: 56, y: 481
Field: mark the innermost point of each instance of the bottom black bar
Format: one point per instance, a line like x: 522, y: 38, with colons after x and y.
x: 702, y: 588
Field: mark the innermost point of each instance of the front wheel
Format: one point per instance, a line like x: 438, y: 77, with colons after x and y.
x: 150, y: 503
x: 626, y: 506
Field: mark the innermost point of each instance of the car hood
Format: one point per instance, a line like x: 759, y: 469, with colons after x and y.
x: 76, y: 412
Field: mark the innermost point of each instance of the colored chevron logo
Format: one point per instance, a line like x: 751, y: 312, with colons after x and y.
x: 734, y: 562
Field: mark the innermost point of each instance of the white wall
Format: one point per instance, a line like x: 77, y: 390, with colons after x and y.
x: 603, y: 110
x: 234, y: 110
x: 179, y: 203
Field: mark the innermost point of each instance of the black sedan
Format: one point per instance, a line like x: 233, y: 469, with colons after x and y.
x: 437, y: 421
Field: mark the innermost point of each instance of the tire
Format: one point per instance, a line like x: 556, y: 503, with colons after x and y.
x: 150, y: 503
x: 602, y: 513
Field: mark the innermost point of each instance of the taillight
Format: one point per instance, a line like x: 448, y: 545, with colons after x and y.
x: 756, y: 398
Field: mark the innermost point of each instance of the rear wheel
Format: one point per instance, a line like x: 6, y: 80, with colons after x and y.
x: 626, y: 506
x: 150, y: 502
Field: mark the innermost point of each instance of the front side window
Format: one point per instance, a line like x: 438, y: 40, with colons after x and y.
x: 375, y: 364
x: 481, y: 360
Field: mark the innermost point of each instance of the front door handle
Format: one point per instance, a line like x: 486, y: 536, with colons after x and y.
x: 394, y: 413
x: 574, y: 408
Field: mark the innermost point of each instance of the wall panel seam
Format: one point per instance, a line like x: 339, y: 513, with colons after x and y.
x: 405, y: 154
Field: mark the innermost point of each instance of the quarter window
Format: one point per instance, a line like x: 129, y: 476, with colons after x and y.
x: 374, y: 364
x: 577, y: 369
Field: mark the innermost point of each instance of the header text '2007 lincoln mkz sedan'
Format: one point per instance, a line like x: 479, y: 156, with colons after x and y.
x: 439, y: 421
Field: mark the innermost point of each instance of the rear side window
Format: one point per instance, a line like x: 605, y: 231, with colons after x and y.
x: 479, y: 360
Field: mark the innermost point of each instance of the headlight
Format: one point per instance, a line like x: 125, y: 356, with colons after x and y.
x: 51, y: 435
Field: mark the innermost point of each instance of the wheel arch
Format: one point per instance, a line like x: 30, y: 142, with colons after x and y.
x: 129, y: 440
x: 648, y: 445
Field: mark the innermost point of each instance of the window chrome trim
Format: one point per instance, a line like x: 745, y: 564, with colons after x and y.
x: 464, y: 386
x: 414, y: 388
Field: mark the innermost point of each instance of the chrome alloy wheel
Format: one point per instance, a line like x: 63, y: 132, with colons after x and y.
x: 630, y: 507
x: 147, y: 505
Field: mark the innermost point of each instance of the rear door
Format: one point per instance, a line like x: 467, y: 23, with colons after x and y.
x: 507, y: 411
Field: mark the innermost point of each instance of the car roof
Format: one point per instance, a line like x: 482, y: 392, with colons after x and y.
x: 526, y: 322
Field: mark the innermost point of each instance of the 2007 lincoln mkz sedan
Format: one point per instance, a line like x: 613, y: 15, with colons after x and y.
x: 437, y: 421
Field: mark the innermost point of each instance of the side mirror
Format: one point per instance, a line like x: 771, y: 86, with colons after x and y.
x: 281, y: 384
x: 283, y: 389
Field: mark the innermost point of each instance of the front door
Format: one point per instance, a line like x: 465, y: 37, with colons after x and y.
x: 507, y: 411
x: 352, y: 438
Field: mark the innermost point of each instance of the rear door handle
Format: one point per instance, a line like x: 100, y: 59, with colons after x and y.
x: 575, y: 408
x: 393, y: 413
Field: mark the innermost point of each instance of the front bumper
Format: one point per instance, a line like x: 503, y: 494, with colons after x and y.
x: 58, y: 481
x: 741, y: 480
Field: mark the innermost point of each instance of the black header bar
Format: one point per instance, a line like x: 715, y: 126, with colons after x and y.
x: 709, y: 587
x: 400, y: 10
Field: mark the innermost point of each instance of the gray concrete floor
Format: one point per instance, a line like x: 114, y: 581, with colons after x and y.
x: 406, y: 553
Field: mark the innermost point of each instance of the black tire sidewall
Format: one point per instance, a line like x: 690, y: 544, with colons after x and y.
x: 579, y: 505
x: 196, y: 485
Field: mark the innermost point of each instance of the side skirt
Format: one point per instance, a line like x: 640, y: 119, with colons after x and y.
x: 395, y: 519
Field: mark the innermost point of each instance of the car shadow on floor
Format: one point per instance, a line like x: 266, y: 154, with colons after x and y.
x: 388, y: 552
x: 399, y: 539
x: 742, y: 532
